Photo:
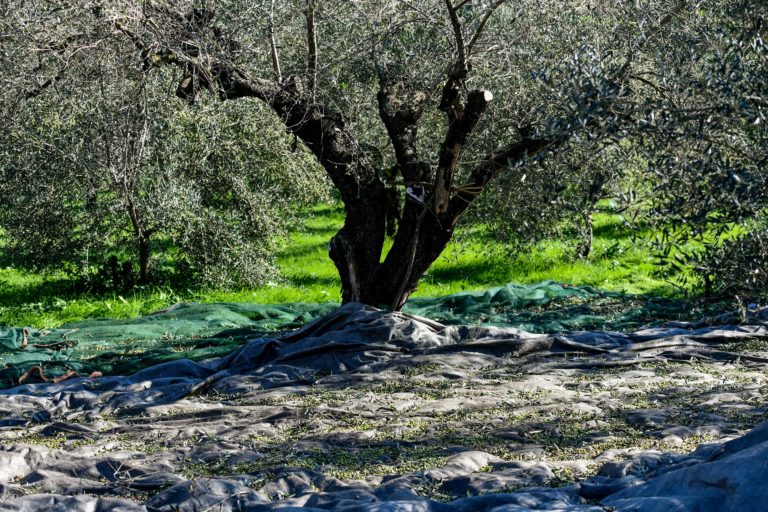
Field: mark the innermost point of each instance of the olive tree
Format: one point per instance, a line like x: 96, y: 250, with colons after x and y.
x: 435, y: 97
x: 703, y: 134
x: 449, y: 90
x: 689, y: 134
x: 556, y: 197
x: 106, y: 165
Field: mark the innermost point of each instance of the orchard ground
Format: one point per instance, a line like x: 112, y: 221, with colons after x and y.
x: 621, y: 261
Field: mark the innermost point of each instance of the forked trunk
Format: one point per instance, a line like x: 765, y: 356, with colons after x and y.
x: 420, y: 239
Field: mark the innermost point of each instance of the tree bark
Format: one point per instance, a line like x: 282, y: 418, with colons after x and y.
x: 586, y: 231
x: 419, y: 241
x: 145, y: 260
x: 584, y: 248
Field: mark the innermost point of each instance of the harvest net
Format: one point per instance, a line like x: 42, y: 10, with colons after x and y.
x: 201, y: 331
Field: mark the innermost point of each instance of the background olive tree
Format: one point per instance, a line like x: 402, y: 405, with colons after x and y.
x: 708, y: 150
x: 106, y: 173
x: 688, y: 131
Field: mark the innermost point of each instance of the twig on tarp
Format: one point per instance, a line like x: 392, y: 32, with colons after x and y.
x: 41, y: 375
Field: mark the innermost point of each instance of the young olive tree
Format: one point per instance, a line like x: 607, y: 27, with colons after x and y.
x: 554, y: 198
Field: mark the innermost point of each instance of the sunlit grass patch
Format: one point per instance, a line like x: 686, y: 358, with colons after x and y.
x: 619, y: 262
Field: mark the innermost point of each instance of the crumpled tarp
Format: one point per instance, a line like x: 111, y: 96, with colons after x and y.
x: 218, y: 410
x: 201, y: 331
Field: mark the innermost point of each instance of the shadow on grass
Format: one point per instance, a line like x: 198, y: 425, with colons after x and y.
x: 13, y: 294
x: 329, y: 230
x: 313, y: 280
x: 299, y: 250
x: 482, y: 271
x: 619, y: 232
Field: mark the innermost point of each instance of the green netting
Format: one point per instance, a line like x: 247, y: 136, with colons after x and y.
x: 553, y: 307
x: 200, y: 331
x: 121, y: 347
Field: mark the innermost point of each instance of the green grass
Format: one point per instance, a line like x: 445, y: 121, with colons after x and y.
x: 618, y: 263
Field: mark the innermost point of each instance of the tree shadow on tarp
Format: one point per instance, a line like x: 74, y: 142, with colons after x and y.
x: 427, y: 455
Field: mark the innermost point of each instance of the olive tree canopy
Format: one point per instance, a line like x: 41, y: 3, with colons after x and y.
x: 434, y: 98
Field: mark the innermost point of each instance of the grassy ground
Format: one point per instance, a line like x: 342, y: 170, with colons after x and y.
x: 618, y: 263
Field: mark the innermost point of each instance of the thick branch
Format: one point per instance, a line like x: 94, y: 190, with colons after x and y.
x: 457, y: 34
x: 322, y: 130
x: 450, y: 101
x: 356, y: 248
x: 311, y: 49
x: 486, y: 171
x: 450, y: 151
x: 273, y: 42
x: 400, y: 110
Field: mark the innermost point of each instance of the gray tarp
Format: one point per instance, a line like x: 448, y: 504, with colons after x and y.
x: 292, y: 422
